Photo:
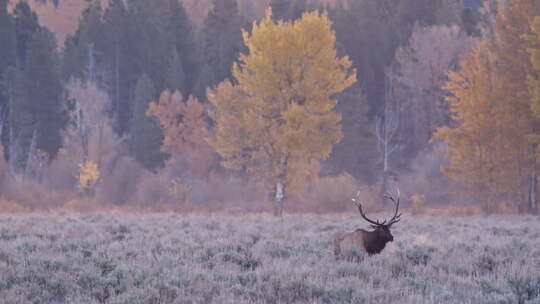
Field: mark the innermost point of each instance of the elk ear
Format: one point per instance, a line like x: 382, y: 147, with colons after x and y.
x: 374, y: 226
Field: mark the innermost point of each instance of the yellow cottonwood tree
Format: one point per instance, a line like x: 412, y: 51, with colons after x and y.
x: 278, y: 116
x: 490, y: 150
x: 479, y: 153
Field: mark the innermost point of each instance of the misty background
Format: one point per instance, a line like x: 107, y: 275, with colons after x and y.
x: 78, y: 78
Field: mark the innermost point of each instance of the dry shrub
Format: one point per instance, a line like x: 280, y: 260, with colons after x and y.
x: 84, y: 205
x: 427, y: 179
x: 119, y: 182
x: 178, y: 189
x: 417, y: 204
x: 173, y: 188
x: 61, y: 172
x: 453, y: 211
x: 30, y: 194
x: 174, y: 185
x: 507, y: 207
x: 220, y: 189
x: 159, y: 187
x: 9, y: 206
x: 152, y: 189
x: 329, y: 194
x: 433, y: 189
x: 34, y: 195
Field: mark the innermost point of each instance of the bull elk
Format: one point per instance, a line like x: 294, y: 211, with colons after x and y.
x: 371, y: 242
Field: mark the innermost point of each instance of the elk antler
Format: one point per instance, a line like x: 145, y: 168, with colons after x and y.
x: 357, y: 204
x: 397, y: 217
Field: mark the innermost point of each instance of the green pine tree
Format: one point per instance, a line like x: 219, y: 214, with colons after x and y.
x: 176, y: 79
x: 288, y: 10
x: 116, y: 46
x: 146, y: 136
x: 7, y: 39
x: 19, y: 121
x: 36, y: 115
x: 88, y: 35
x: 26, y: 24
x: 206, y: 77
x: 7, y: 50
x: 469, y: 22
x: 222, y: 40
x: 179, y: 30
x: 45, y: 91
x: 357, y: 152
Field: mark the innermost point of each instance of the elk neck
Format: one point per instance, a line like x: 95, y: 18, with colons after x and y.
x: 374, y: 243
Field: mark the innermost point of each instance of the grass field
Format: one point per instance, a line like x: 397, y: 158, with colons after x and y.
x: 259, y: 259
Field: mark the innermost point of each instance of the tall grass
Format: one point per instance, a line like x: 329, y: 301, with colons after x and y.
x: 258, y: 259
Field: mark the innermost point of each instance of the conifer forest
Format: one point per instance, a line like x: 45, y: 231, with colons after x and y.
x: 229, y: 151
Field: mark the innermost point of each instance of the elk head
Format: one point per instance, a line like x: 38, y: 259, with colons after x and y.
x: 374, y: 241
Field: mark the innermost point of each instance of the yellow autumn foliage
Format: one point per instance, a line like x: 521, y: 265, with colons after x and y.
x: 89, y: 175
x: 417, y: 204
x: 276, y: 122
x: 489, y: 147
x: 533, y: 43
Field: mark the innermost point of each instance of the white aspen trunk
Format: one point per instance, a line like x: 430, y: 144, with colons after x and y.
x: 281, y: 187
x: 385, y: 163
x: 2, y: 121
x: 533, y: 180
x: 12, y: 152
x: 387, y: 132
x: 31, y: 152
x: 117, y: 106
x: 532, y: 204
x: 280, y: 195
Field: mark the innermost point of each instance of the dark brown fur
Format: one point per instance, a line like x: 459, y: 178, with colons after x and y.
x: 371, y: 242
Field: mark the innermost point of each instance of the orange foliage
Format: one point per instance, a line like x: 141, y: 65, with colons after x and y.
x: 185, y: 130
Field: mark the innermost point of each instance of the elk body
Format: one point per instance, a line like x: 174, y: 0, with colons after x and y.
x: 370, y: 242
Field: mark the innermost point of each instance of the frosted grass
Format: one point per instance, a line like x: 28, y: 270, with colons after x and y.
x: 258, y: 259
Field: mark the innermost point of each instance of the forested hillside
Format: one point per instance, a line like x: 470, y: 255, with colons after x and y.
x: 137, y: 102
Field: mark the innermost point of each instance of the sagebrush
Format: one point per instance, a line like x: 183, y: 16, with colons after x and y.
x: 258, y: 259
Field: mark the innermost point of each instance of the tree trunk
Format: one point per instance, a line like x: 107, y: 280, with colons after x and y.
x: 31, y: 152
x: 388, y: 185
x: 533, y: 181
x: 280, y: 195
x: 532, y: 204
x: 280, y: 186
x: 116, y: 106
x: 384, y: 186
x: 12, y: 157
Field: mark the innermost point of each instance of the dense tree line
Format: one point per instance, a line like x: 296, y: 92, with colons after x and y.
x: 32, y: 90
x: 142, y: 53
